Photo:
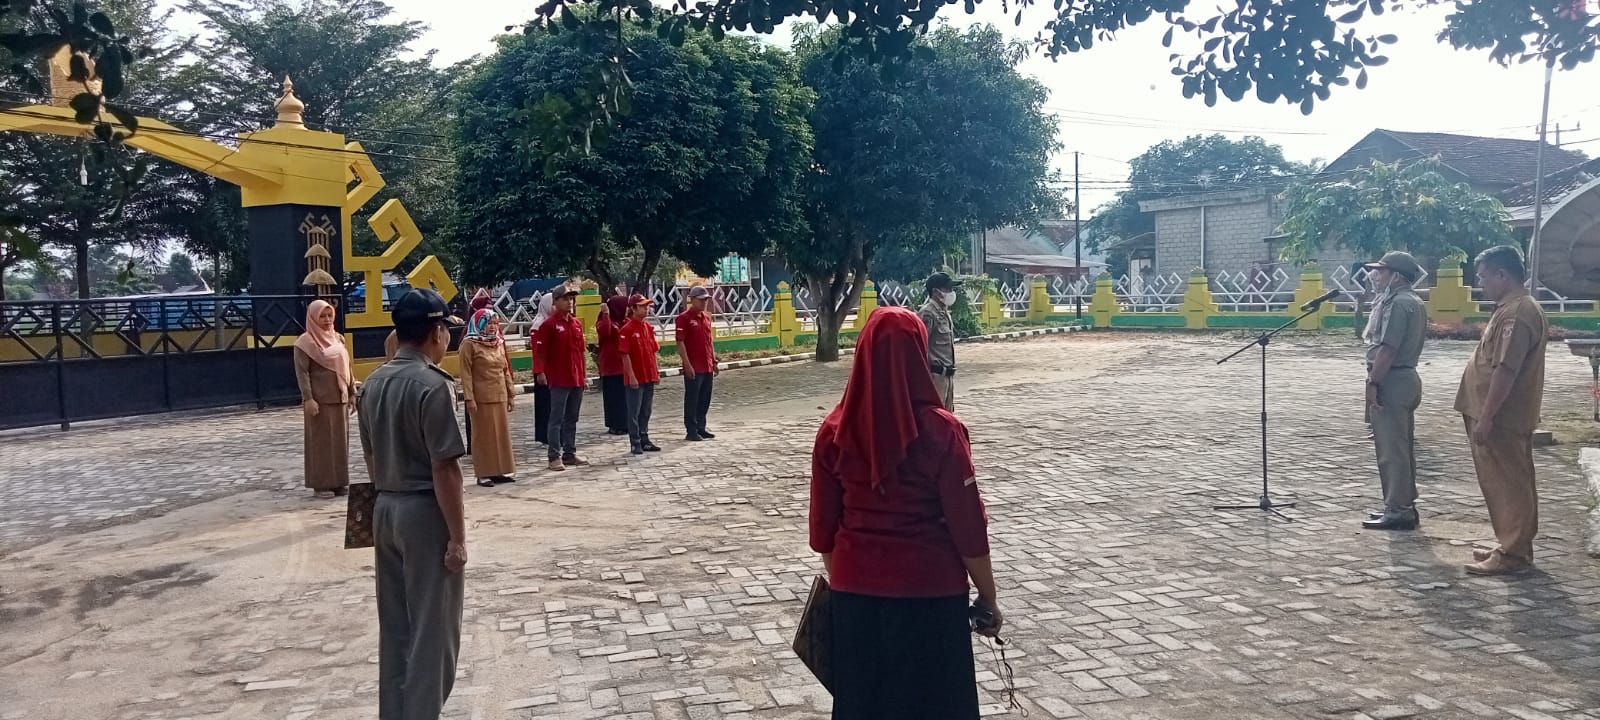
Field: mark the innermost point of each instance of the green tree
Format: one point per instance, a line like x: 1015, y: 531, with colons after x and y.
x: 1196, y: 164
x: 706, y: 162
x: 1391, y: 206
x: 908, y: 259
x: 356, y: 68
x: 76, y: 195
x: 952, y: 142
x: 181, y: 271
x: 17, y: 245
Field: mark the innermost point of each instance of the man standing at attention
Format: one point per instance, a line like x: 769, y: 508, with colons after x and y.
x: 412, y: 447
x: 1394, y: 335
x: 699, y: 359
x: 1499, y: 397
x: 941, y: 289
x: 560, y: 363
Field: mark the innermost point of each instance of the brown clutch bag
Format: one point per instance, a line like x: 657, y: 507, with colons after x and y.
x: 358, y: 517
x: 813, y: 640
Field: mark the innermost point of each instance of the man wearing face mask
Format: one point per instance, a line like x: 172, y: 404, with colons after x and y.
x: 1394, y: 335
x: 941, y: 289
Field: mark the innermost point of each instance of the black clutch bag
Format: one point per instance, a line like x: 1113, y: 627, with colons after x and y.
x: 813, y: 640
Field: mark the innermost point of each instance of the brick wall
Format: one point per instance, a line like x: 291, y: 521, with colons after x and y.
x: 1234, y: 238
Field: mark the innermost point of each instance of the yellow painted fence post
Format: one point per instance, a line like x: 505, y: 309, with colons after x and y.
x: 1103, y: 304
x: 1310, y: 289
x: 1039, y: 305
x: 784, y: 322
x: 869, y: 302
x: 1450, y: 299
x: 1197, y: 302
x: 588, y: 308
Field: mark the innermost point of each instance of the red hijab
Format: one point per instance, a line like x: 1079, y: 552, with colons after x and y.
x: 890, y: 388
x: 617, y: 305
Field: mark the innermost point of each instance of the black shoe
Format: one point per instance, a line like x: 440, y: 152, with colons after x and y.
x: 707, y: 435
x: 615, y: 431
x: 501, y: 479
x: 638, y: 450
x: 1406, y: 521
x: 693, y: 438
x: 485, y: 482
x: 651, y: 447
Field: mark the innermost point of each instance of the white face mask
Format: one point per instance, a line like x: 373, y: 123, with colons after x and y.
x: 946, y: 298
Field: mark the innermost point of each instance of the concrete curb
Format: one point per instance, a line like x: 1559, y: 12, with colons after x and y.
x: 1589, y: 462
x: 527, y: 388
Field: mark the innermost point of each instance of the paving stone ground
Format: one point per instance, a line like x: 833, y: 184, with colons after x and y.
x: 173, y: 568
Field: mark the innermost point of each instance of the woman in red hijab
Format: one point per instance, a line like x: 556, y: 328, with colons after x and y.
x: 613, y: 391
x: 896, y: 515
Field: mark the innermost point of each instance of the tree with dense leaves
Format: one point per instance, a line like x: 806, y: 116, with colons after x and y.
x: 1291, y: 51
x: 355, y: 67
x: 1394, y: 206
x: 1196, y: 164
x: 17, y: 245
x: 76, y: 195
x: 946, y: 144
x: 705, y: 163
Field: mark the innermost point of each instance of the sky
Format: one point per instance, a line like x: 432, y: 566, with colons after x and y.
x: 1116, y: 100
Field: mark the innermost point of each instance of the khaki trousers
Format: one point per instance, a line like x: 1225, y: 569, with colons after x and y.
x: 1394, y: 437
x: 946, y: 387
x: 419, y: 607
x: 1505, y: 475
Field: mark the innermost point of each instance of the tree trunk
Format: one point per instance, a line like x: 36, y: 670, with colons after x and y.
x: 647, y: 269
x: 835, y: 293
x: 80, y: 248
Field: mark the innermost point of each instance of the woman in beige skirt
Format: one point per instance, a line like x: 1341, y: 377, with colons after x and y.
x: 486, y: 384
x: 322, y: 368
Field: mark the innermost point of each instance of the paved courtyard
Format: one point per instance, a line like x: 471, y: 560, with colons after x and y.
x: 173, y: 568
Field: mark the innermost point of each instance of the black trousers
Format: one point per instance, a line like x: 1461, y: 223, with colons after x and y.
x: 614, y: 397
x: 902, y: 659
x: 541, y: 413
x: 696, y: 401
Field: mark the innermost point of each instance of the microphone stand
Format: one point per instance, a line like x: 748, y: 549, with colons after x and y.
x: 1265, y: 502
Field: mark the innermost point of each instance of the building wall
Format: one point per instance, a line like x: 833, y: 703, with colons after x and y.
x: 1234, y: 236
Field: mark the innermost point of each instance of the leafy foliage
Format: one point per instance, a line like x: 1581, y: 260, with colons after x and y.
x: 1196, y: 164
x: 953, y: 142
x: 706, y: 163
x: 99, y: 58
x: 1391, y: 206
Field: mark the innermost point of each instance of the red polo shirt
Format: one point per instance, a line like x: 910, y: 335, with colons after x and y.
x: 558, y: 351
x: 638, y: 345
x: 607, y: 332
x: 908, y: 540
x: 694, y: 341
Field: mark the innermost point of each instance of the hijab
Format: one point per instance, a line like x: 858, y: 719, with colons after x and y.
x: 481, y: 328
x: 547, y: 307
x: 324, y: 346
x: 481, y: 300
x: 617, y: 305
x: 1398, y: 284
x: 889, y: 391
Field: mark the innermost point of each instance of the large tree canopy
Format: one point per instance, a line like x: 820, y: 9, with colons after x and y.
x: 1197, y: 164
x: 1390, y: 206
x: 705, y: 163
x: 952, y: 142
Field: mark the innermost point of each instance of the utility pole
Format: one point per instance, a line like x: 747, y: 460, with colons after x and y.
x: 1077, y: 233
x: 1538, y: 184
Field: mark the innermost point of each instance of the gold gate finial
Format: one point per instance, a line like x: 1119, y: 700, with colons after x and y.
x: 289, y: 108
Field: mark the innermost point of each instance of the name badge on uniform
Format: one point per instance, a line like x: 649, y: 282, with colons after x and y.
x: 560, y: 328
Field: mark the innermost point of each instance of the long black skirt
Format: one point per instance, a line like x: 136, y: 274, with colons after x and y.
x: 614, y: 396
x: 541, y: 414
x: 902, y: 659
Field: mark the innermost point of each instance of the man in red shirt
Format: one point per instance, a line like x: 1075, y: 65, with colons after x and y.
x: 558, y: 361
x: 638, y: 345
x: 699, y: 363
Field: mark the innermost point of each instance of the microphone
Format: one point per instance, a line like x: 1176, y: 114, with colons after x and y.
x: 1329, y: 295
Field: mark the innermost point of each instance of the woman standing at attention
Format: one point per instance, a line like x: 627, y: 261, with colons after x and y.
x: 322, y: 369
x: 613, y: 390
x: 896, y: 515
x: 541, y: 393
x: 486, y: 385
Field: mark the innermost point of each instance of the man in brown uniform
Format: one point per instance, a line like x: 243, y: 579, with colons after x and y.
x: 1499, y: 397
x: 1395, y: 332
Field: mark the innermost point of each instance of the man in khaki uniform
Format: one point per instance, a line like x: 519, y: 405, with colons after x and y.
x: 413, y: 448
x: 1395, y: 332
x: 1499, y: 397
x: 935, y: 313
